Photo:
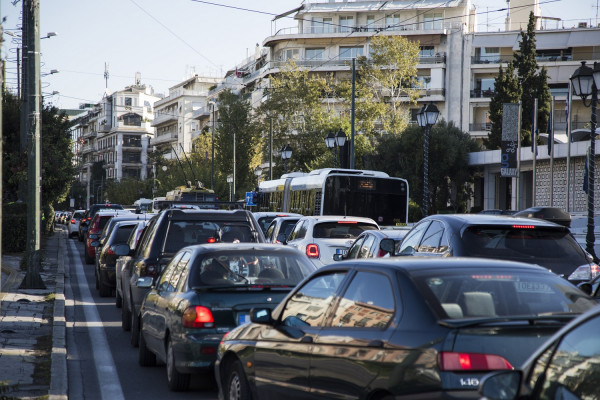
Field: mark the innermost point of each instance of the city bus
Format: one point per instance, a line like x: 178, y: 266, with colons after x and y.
x: 328, y: 191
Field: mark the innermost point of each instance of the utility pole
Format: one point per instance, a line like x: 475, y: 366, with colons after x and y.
x: 352, y: 113
x: 31, y: 19
x: 1, y: 137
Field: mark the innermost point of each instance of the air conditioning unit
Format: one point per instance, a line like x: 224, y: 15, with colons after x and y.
x: 582, y: 25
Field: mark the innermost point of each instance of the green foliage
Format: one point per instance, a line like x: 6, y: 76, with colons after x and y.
x: 48, y: 220
x: 449, y: 170
x: 14, y: 221
x: 415, y: 213
x: 127, y: 190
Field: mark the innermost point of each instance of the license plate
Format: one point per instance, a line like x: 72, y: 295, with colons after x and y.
x: 243, y: 318
x: 341, y: 251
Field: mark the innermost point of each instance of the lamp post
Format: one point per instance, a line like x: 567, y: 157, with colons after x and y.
x: 286, y: 154
x: 585, y: 82
x: 258, y: 172
x: 426, y: 117
x: 230, y: 181
x: 335, y: 141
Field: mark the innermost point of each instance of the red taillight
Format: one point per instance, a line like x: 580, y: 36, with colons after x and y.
x: 72, y: 221
x: 450, y: 361
x: 347, y: 222
x: 595, y: 270
x: 312, y: 250
x: 110, y: 251
x: 198, y: 317
x: 211, y: 240
x: 523, y: 227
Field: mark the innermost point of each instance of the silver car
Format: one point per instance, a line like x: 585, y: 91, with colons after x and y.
x: 320, y: 237
x: 73, y: 222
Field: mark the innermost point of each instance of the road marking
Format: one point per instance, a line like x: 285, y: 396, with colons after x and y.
x: 108, y: 379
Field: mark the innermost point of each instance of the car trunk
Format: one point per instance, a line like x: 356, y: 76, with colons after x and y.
x: 329, y: 247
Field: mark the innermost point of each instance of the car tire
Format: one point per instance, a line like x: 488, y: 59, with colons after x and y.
x: 177, y: 382
x: 118, y: 299
x: 237, y: 384
x: 134, y: 337
x: 125, y: 318
x: 86, y: 256
x: 146, y: 358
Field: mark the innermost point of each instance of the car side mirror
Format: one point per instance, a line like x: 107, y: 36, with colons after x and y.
x: 281, y: 238
x: 338, y: 257
x: 122, y: 250
x: 95, y: 243
x: 93, y: 236
x: 388, y: 245
x: 502, y: 385
x: 261, y: 315
x: 145, y: 282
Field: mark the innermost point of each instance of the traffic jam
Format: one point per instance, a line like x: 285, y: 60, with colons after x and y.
x: 286, y: 298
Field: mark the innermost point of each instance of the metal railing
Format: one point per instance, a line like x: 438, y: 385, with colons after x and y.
x: 478, y: 93
x: 485, y: 126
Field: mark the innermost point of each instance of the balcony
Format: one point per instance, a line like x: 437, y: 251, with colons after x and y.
x: 477, y: 127
x: 162, y: 119
x: 104, y: 128
x: 482, y: 94
x: 164, y: 138
x: 495, y: 59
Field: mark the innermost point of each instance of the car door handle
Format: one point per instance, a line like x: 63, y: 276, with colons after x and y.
x: 375, y: 343
x: 306, y: 339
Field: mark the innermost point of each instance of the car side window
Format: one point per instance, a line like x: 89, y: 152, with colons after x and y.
x: 353, y: 251
x: 432, y: 238
x: 299, y: 230
x: 165, y: 282
x: 413, y: 238
x: 270, y: 229
x: 365, y: 250
x: 363, y: 307
x: 180, y: 272
x: 577, y: 353
x: 308, y: 306
x: 147, y: 237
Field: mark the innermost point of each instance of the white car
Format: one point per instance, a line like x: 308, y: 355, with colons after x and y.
x: 73, y: 222
x: 265, y: 218
x: 320, y: 237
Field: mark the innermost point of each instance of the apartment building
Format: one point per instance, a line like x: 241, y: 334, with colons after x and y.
x: 116, y: 130
x: 176, y: 117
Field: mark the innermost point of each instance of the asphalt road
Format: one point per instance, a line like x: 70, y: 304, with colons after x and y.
x: 101, y: 363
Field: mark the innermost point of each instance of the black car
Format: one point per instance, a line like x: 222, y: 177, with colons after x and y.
x: 528, y: 240
x: 566, y: 367
x: 373, y: 244
x: 280, y: 228
x: 165, y: 235
x: 204, y: 292
x: 396, y: 328
x: 106, y: 258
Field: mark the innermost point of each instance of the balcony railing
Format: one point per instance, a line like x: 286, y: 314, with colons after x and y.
x: 371, y: 28
x: 164, y: 138
x: 478, y: 93
x: 486, y: 126
x: 491, y: 59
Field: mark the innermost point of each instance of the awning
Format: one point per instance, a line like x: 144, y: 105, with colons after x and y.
x: 285, y: 14
x: 496, y: 40
x: 584, y: 38
x: 550, y: 40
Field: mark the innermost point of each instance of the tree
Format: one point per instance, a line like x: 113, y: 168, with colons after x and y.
x: 449, y: 171
x: 507, y: 90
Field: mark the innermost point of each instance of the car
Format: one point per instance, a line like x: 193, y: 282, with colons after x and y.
x: 106, y: 259
x: 205, y: 291
x: 95, y: 228
x: 73, y: 225
x: 280, y: 228
x: 166, y: 233
x: 552, y: 214
x: 505, y: 237
x: 86, y: 220
x: 264, y: 218
x: 128, y: 216
x: 320, y: 237
x: 396, y: 328
x: 132, y: 242
x: 373, y: 244
x: 565, y: 367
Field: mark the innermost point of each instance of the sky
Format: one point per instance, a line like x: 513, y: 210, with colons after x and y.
x: 167, y: 41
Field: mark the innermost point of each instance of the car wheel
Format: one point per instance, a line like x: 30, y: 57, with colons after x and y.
x: 177, y: 382
x: 146, y: 358
x: 88, y: 259
x: 118, y: 299
x: 135, y: 329
x: 237, y: 384
x: 125, y: 317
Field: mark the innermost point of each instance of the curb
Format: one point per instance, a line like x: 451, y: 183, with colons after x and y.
x: 58, y: 376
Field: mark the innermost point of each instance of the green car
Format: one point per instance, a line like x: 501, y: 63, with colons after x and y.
x: 204, y: 292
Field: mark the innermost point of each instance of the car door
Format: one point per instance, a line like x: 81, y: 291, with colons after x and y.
x: 365, y: 250
x: 412, y: 239
x: 350, y: 350
x: 282, y: 352
x: 434, y: 242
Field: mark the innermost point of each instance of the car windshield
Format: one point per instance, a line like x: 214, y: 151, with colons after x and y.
x: 490, y: 293
x: 186, y: 233
x: 340, y: 230
x: 534, y: 245
x: 250, y: 268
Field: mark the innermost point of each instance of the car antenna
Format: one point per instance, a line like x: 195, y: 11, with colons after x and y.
x: 180, y: 166
x: 189, y: 163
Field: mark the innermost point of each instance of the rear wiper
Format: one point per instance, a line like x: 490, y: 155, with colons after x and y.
x: 531, y: 319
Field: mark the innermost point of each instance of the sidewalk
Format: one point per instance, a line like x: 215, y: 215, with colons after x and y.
x: 32, y: 327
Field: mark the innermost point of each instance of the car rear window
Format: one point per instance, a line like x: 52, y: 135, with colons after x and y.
x: 250, y: 268
x: 122, y: 233
x: 343, y: 230
x: 186, y: 233
x: 529, y: 244
x: 491, y: 293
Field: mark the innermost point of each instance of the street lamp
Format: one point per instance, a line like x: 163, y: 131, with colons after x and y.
x: 258, y: 172
x: 286, y: 154
x: 335, y: 141
x: 585, y: 82
x: 230, y: 181
x: 426, y: 117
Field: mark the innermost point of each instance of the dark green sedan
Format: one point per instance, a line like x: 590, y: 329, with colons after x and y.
x: 204, y: 292
x: 396, y: 328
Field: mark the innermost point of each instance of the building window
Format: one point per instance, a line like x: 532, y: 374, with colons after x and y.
x: 425, y: 81
x: 346, y: 24
x: 392, y: 21
x: 321, y: 25
x: 433, y: 21
x: 315, y: 54
x: 426, y: 51
x: 289, y: 54
x: 370, y: 22
x: 132, y: 120
x: 350, y: 52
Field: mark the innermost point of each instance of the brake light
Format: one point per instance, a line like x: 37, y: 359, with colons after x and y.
x: 523, y: 227
x: 211, y: 240
x: 72, y: 221
x: 451, y: 361
x: 312, y: 250
x: 595, y: 270
x: 347, y: 222
x: 110, y: 251
x: 198, y: 317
